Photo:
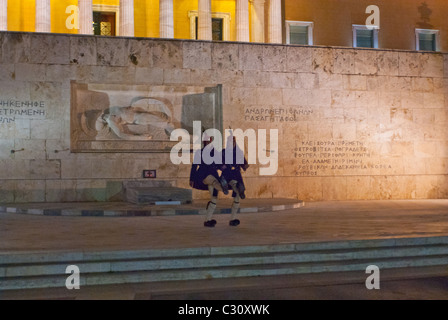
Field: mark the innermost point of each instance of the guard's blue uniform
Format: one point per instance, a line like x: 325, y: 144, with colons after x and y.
x: 201, y: 171
x: 233, y: 170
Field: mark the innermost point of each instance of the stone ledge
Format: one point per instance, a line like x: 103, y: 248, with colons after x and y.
x: 196, y: 208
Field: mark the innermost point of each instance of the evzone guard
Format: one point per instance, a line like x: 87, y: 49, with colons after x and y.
x: 232, y: 174
x: 204, y: 176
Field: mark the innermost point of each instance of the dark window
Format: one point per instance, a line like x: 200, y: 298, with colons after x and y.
x: 364, y: 39
x: 298, y: 35
x: 104, y: 23
x: 427, y: 41
x: 217, y: 28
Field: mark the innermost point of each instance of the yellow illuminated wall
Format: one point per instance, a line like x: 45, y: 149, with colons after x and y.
x: 59, y: 17
x: 107, y: 2
x: 227, y: 6
x: 21, y: 15
x: 181, y: 20
x: 146, y: 18
x: 333, y: 20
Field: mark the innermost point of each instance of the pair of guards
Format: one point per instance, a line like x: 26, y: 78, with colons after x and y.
x: 206, y: 177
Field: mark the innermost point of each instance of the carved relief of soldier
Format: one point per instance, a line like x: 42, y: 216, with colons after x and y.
x: 148, y: 115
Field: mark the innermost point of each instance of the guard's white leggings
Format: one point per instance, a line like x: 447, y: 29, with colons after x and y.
x: 212, y: 184
x: 236, y: 200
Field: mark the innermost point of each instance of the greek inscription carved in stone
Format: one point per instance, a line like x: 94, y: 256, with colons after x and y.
x: 260, y: 114
x: 317, y: 157
x: 11, y: 109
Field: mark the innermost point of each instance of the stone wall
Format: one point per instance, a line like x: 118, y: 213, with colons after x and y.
x: 353, y: 124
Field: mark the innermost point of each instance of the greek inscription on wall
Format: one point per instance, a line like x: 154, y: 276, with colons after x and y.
x: 11, y: 109
x: 273, y: 114
x: 321, y: 157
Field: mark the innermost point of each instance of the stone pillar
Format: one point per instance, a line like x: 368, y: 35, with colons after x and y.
x: 257, y: 12
x: 43, y: 16
x: 3, y: 15
x: 166, y: 14
x: 275, y: 21
x: 205, y: 20
x: 242, y: 20
x: 85, y: 17
x: 126, y: 18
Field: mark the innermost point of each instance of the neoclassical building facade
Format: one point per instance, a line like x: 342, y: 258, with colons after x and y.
x: 403, y: 25
x: 228, y: 20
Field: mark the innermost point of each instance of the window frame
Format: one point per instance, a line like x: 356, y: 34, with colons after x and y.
x: 427, y: 31
x: 308, y: 24
x: 375, y: 29
x: 109, y: 8
x: 225, y: 16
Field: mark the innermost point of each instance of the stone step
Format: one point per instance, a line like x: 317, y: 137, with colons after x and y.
x: 153, y: 195
x: 154, y: 191
x: 173, y: 263
x: 106, y: 278
x: 260, y: 270
x: 24, y: 257
x: 38, y: 270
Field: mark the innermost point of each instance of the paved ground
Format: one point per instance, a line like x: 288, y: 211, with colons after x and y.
x: 315, y: 222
